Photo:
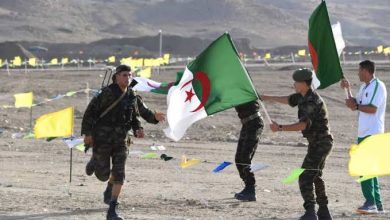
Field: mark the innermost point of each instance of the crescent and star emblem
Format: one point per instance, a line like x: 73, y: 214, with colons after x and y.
x: 205, y: 83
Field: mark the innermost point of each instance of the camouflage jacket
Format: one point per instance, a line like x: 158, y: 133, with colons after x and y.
x: 312, y: 110
x: 113, y: 127
x: 143, y: 111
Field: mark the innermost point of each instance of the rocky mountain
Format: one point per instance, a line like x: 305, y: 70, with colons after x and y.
x: 265, y: 23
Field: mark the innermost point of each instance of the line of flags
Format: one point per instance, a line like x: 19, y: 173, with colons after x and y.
x: 17, y: 61
x: 25, y: 100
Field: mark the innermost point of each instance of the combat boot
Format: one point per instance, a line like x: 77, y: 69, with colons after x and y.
x: 323, y: 213
x: 247, y: 194
x: 310, y: 214
x: 111, y: 213
x: 90, y: 167
x: 107, y: 194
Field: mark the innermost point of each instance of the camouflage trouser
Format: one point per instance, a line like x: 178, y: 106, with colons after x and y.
x: 246, y: 148
x: 102, y: 153
x: 314, y: 162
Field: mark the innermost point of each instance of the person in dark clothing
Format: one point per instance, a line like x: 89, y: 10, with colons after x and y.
x: 252, y: 127
x: 313, y: 123
x: 107, y: 132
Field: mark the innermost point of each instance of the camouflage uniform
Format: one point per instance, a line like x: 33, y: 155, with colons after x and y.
x: 252, y: 127
x: 109, y: 133
x: 312, y: 110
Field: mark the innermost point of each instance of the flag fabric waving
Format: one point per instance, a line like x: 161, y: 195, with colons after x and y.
x: 23, y: 100
x: 148, y: 85
x: 215, y: 81
x: 370, y: 157
x: 322, y: 47
x: 55, y: 124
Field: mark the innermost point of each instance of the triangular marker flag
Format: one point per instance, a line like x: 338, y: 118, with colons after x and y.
x: 149, y: 156
x: 70, y: 93
x: 29, y: 136
x: 57, y: 97
x: 165, y: 157
x: 187, y: 163
x: 80, y: 147
x: 294, y: 175
x: 221, y: 166
x: 257, y: 166
x: 157, y: 147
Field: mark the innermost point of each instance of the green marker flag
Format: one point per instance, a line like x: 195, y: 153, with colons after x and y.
x: 149, y: 156
x: 29, y: 136
x: 80, y: 147
x: 70, y: 93
x: 364, y: 178
x: 293, y: 176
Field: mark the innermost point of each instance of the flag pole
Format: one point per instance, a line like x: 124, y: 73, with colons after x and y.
x: 31, y: 129
x: 257, y: 94
x: 6, y: 62
x: 25, y: 65
x: 265, y: 111
x: 70, y: 166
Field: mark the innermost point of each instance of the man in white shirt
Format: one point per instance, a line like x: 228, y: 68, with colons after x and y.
x: 370, y: 102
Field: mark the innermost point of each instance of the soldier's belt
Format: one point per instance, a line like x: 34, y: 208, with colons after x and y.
x: 250, y: 117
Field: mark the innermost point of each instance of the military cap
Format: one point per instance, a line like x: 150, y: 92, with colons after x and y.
x: 303, y: 74
x: 119, y: 69
x: 122, y: 68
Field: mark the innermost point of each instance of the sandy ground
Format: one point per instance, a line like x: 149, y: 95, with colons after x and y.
x: 34, y: 180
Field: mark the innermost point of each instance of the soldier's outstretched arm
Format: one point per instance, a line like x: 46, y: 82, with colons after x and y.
x: 279, y: 99
x: 147, y: 114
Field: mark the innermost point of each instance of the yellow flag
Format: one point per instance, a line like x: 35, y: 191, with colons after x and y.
x: 126, y: 61
x: 134, y: 63
x: 302, y: 53
x: 111, y: 59
x: 32, y: 61
x: 166, y: 58
x: 17, y: 61
x: 160, y: 61
x: 145, y: 73
x: 55, y: 124
x: 386, y: 50
x: 54, y: 61
x: 148, y: 62
x: 370, y: 157
x: 23, y: 100
x: 156, y: 62
x: 64, y: 60
x: 1, y: 62
x: 187, y: 163
x: 380, y: 48
x: 267, y: 56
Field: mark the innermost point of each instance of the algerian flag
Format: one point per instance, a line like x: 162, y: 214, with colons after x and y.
x: 324, y: 55
x: 148, y: 85
x: 215, y: 81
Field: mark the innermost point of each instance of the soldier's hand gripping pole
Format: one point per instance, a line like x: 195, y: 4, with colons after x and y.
x: 263, y: 107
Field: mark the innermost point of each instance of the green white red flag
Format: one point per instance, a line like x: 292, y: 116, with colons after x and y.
x: 215, y: 81
x: 322, y: 47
